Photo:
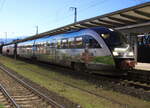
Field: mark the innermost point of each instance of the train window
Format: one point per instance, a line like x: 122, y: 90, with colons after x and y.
x: 59, y: 44
x: 44, y: 44
x: 78, y: 42
x: 38, y: 44
x: 91, y: 42
x: 52, y: 44
x: 71, y: 43
x: 64, y: 43
x: 47, y: 44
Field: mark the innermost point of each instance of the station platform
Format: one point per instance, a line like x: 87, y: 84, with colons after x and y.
x: 143, y: 66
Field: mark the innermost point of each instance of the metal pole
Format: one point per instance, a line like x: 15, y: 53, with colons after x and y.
x: 75, y: 13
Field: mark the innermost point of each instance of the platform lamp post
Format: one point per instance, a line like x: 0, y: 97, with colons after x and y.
x: 75, y: 13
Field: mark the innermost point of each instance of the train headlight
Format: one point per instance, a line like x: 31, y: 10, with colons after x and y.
x: 122, y: 49
x: 130, y: 54
x: 115, y: 53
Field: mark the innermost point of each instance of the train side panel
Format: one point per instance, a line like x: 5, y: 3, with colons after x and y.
x: 25, y: 49
x: 8, y: 50
x: 84, y: 47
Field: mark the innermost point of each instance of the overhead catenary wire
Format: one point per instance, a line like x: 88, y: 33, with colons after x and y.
x: 92, y: 5
x: 98, y: 3
x: 64, y: 20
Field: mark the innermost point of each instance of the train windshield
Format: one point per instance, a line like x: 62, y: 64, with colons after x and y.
x: 112, y: 38
x: 115, y: 39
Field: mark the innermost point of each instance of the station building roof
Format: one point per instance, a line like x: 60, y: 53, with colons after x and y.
x: 136, y: 16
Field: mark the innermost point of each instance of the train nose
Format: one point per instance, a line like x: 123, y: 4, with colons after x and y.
x: 128, y: 64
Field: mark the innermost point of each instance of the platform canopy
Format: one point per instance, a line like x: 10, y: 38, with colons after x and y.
x: 137, y: 16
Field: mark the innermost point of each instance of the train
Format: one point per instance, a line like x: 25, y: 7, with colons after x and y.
x: 98, y: 50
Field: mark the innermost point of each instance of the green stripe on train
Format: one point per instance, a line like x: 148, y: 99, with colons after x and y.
x: 104, y: 59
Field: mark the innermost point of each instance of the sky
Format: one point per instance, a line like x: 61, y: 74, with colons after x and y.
x: 19, y: 18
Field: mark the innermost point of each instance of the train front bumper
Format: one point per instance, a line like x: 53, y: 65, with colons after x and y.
x: 127, y: 64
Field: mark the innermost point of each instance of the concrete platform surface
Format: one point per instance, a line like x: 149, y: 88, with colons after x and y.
x: 143, y: 66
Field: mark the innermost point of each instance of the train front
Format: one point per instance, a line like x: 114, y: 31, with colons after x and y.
x: 121, y: 50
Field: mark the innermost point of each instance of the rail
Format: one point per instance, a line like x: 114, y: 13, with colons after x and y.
x: 49, y: 100
x: 8, y: 96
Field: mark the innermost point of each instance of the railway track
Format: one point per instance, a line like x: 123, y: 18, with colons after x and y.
x: 123, y: 81
x: 23, y: 95
x: 139, y: 75
x: 5, y: 99
x: 134, y: 75
x: 137, y: 85
x: 138, y: 79
x: 84, y: 90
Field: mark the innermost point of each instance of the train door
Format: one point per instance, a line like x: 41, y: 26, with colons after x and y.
x: 53, y: 49
x: 98, y: 53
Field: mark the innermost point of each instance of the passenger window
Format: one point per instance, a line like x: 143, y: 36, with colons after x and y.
x: 91, y: 42
x: 71, y: 43
x: 42, y: 44
x: 58, y: 44
x: 78, y: 42
x: 64, y: 43
x: 52, y: 44
x: 48, y: 44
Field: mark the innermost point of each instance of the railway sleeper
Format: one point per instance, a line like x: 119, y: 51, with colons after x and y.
x: 27, y: 102
x: 26, y: 98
